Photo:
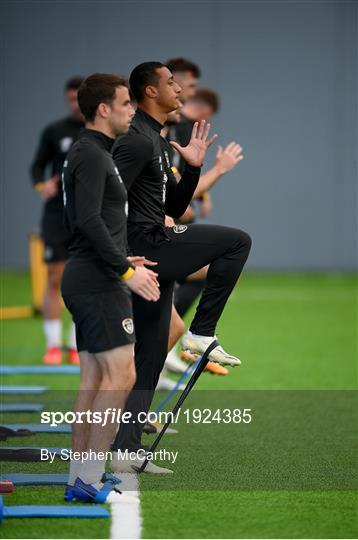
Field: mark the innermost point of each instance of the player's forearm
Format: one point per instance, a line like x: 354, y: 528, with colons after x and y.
x: 207, y: 180
x: 42, y: 158
x: 180, y: 194
x: 37, y: 172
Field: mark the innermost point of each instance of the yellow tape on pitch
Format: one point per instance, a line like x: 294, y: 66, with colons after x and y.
x: 38, y: 270
x: 38, y: 273
x: 16, y: 312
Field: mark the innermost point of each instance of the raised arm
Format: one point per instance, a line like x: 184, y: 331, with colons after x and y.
x: 226, y: 160
x: 180, y: 194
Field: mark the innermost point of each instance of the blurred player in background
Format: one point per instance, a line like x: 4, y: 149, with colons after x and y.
x: 55, y: 142
x: 186, y: 74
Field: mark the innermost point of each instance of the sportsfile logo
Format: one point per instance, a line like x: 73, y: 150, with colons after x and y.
x: 112, y: 415
x: 109, y: 416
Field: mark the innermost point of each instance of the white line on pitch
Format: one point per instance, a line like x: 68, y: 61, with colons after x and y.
x: 126, y: 521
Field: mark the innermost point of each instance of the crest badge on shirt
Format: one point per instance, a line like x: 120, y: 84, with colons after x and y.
x: 65, y: 144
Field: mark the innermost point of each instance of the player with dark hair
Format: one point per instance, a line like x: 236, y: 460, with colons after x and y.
x: 55, y: 142
x: 142, y: 158
x: 96, y: 276
x: 186, y: 74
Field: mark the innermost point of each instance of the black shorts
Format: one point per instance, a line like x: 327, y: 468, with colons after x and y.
x: 55, y: 236
x: 104, y: 320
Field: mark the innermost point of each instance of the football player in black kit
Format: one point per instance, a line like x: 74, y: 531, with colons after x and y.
x: 96, y: 277
x: 142, y: 158
x: 55, y: 142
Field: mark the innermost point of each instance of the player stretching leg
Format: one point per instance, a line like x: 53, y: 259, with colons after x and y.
x: 142, y: 159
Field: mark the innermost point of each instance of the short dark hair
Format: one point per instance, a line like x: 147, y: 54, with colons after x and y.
x: 182, y: 65
x: 207, y: 96
x: 143, y: 75
x: 73, y: 83
x: 98, y: 88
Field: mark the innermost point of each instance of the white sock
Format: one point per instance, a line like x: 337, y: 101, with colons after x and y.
x: 173, y: 352
x: 72, y: 337
x: 92, y: 470
x: 200, y: 336
x: 75, y: 467
x: 52, y: 329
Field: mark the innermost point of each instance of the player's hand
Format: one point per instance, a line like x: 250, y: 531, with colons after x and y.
x: 140, y: 260
x: 144, y: 283
x: 194, y: 153
x: 169, y: 221
x: 49, y: 188
x: 228, y: 158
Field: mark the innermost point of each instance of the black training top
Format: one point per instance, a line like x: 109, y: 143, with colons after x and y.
x: 96, y: 205
x: 142, y: 158
x: 55, y: 142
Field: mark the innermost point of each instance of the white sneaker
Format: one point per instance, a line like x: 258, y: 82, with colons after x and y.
x: 165, y: 383
x: 158, y: 426
x: 174, y: 364
x: 128, y: 466
x: 198, y: 344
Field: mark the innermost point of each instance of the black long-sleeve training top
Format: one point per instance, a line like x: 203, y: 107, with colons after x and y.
x: 142, y: 158
x: 96, y: 205
x: 56, y: 140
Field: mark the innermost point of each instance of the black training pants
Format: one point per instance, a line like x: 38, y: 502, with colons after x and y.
x: 186, y: 293
x: 184, y: 252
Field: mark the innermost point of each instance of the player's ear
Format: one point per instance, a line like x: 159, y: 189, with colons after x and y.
x: 103, y: 110
x: 151, y: 91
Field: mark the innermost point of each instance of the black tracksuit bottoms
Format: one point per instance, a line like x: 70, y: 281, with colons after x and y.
x: 182, y: 253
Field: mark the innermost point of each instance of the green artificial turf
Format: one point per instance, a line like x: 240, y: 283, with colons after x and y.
x: 291, y: 473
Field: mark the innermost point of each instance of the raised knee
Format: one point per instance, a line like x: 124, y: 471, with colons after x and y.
x: 247, y: 240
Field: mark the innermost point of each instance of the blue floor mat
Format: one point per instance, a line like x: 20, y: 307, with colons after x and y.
x: 21, y: 407
x: 22, y: 390
x: 29, y: 479
x: 40, y: 369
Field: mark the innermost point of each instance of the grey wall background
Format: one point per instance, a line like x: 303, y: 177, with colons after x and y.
x: 287, y: 76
